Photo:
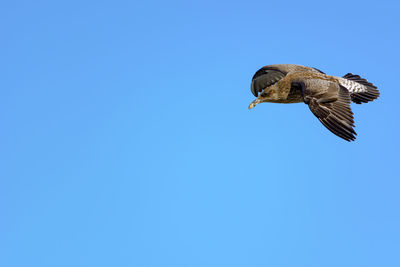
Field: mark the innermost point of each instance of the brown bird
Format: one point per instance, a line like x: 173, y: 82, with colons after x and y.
x: 328, y: 97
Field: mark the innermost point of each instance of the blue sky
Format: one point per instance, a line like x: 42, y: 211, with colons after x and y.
x: 126, y: 138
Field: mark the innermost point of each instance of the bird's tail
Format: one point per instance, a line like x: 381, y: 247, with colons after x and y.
x: 361, y: 91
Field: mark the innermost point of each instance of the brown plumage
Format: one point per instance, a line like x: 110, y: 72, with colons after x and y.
x: 328, y: 97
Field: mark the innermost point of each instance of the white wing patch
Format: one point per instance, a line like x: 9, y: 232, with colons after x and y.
x: 353, y: 87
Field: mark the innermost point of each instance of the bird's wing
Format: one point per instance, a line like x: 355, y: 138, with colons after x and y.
x: 330, y: 103
x: 265, y: 77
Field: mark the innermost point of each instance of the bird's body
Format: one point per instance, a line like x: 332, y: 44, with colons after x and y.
x: 328, y: 97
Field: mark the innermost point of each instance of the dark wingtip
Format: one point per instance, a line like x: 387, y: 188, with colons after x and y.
x: 265, y: 77
x: 253, y: 90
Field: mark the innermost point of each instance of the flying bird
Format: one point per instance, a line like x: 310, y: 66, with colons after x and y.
x: 328, y: 97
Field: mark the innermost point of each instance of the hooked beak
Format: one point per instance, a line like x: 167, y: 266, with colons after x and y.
x: 254, y: 103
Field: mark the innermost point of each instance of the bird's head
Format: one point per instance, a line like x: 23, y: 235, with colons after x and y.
x: 264, y: 85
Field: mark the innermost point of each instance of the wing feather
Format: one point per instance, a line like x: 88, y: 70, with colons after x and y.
x: 265, y: 77
x: 330, y: 103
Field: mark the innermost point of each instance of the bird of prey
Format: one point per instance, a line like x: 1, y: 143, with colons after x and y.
x: 328, y: 97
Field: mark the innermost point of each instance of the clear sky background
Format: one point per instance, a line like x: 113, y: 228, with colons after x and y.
x: 126, y: 138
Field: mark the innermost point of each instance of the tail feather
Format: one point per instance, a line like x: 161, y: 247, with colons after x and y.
x: 361, y: 92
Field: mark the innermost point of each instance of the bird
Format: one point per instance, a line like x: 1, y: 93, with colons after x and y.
x: 328, y: 97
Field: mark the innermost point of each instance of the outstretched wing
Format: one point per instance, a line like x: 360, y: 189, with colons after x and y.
x: 330, y: 103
